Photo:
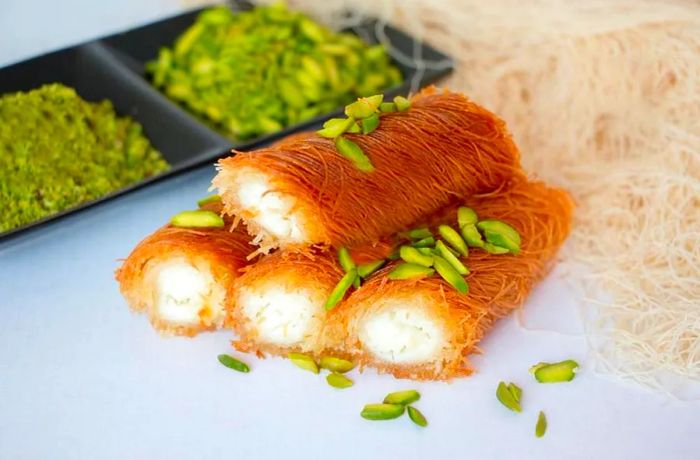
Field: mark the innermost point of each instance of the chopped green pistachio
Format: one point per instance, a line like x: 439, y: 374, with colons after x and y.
x: 564, y: 371
x: 424, y: 243
x: 541, y: 426
x: 409, y: 271
x: 444, y: 252
x: 382, y: 411
x: 413, y: 256
x: 472, y: 236
x: 402, y: 397
x: 402, y: 104
x: 416, y: 416
x: 466, y: 216
x: 354, y: 129
x: 449, y: 274
x: 209, y: 199
x: 338, y: 381
x: 233, y: 363
x: 454, y: 239
x: 363, y: 107
x: 507, y: 398
x: 493, y: 249
x: 364, y: 270
x: 335, y: 127
x: 354, y: 153
x: 340, y: 289
x: 426, y: 252
x: 419, y: 233
x: 500, y: 234
x: 338, y: 365
x: 370, y: 123
x: 515, y: 390
x: 387, y: 107
x: 197, y: 219
x: 345, y: 259
x: 303, y: 361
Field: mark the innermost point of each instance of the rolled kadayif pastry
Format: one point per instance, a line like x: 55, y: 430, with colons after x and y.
x: 303, y: 191
x: 181, y: 277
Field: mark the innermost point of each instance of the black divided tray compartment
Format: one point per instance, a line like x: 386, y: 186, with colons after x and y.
x: 113, y: 68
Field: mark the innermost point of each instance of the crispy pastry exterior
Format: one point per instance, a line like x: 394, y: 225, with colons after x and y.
x: 218, y: 251
x: 498, y: 283
x: 444, y: 147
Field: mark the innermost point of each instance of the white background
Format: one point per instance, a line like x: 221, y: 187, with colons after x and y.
x: 80, y: 377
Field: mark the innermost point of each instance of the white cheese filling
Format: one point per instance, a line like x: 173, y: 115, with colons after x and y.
x: 402, y: 334
x: 280, y: 316
x: 184, y: 291
x: 270, y: 210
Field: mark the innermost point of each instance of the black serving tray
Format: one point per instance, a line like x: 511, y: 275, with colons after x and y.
x: 113, y: 68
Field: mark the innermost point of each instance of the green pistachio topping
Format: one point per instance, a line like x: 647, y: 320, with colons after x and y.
x: 382, y: 411
x: 338, y: 365
x: 354, y: 153
x: 416, y: 416
x: 341, y: 289
x: 197, y: 219
x: 402, y: 397
x: 303, y: 361
x: 449, y: 274
x: 410, y: 271
x: 444, y: 252
x: 364, y: 270
x: 564, y: 371
x: 506, y: 397
x: 233, y: 363
x: 454, y: 239
x: 414, y: 256
x: 338, y: 381
x: 208, y: 200
x: 466, y: 216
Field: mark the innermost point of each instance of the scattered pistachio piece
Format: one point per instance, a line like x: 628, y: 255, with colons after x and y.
x: 564, y: 371
x: 364, y: 106
x: 387, y: 107
x: 338, y: 381
x: 424, y: 243
x: 394, y: 255
x: 338, y: 365
x: 500, y: 234
x: 402, y: 104
x: 493, y: 249
x: 364, y: 270
x: 419, y: 233
x: 370, y: 123
x: 382, y: 411
x: 426, y: 251
x: 515, y: 390
x: 197, y: 219
x: 414, y: 256
x: 472, y: 236
x: 417, y: 417
x: 541, y: 426
x: 354, y: 153
x: 449, y: 274
x: 335, y: 127
x: 303, y: 361
x: 506, y: 398
x: 466, y: 216
x: 454, y: 239
x: 354, y: 129
x: 345, y: 259
x: 209, y: 199
x: 409, y: 271
x: 341, y: 288
x: 233, y: 363
x: 534, y: 367
x: 402, y: 397
x: 444, y: 252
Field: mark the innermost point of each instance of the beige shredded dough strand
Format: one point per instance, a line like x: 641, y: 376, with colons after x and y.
x: 604, y: 99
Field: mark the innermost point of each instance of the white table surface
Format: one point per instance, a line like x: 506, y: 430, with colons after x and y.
x: 81, y: 377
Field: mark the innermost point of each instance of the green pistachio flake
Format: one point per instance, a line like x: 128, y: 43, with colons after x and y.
x: 472, y: 236
x: 424, y: 243
x: 197, y: 219
x: 564, y: 371
x: 363, y: 107
x: 364, y: 270
x: 382, y: 411
x: 506, y: 398
x: 541, y: 426
x: 410, y: 271
x: 444, y: 252
x: 354, y: 129
x: 370, y: 123
x: 416, y: 416
x: 338, y: 365
x: 335, y: 127
x: 354, y: 153
x: 500, y: 234
x: 466, y: 216
x: 338, y: 381
x: 454, y: 239
x: 402, y: 104
x: 402, y: 397
x: 413, y: 256
x: 493, y: 249
x: 233, y: 363
x: 419, y: 233
x: 515, y: 390
x: 449, y: 274
x: 304, y: 362
x: 340, y: 289
x: 345, y: 259
x: 208, y: 200
x: 387, y: 107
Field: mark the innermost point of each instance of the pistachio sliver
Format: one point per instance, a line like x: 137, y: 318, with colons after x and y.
x: 419, y: 233
x: 354, y: 153
x: 345, y: 259
x: 370, y: 123
x: 197, y: 219
x: 303, y: 361
x: 426, y: 251
x: 472, y: 236
x: 338, y: 381
x: 493, y: 249
x: 340, y: 289
x: 335, y: 127
x: 208, y: 200
x: 382, y: 411
x: 409, y: 271
x: 354, y: 129
x: 402, y: 104
x: 338, y: 365
x: 416, y: 416
x: 449, y: 274
x: 444, y: 252
x: 466, y: 216
x: 414, y: 256
x: 454, y: 239
x: 500, y: 234
x: 424, y: 243
x: 506, y: 398
x: 564, y: 371
x: 387, y: 107
x: 233, y: 363
x: 363, y: 107
x: 366, y: 269
x: 515, y: 390
x: 541, y: 426
x: 402, y: 397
